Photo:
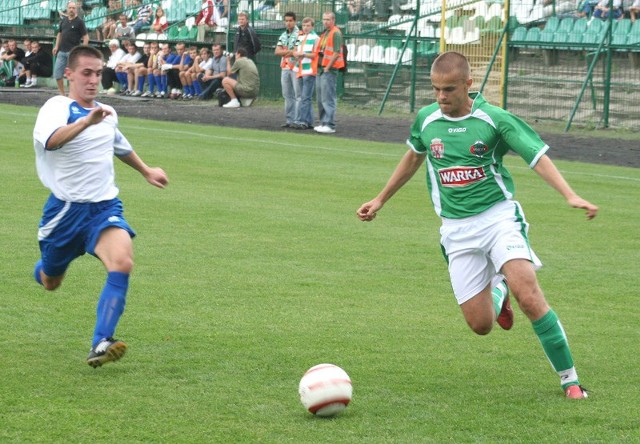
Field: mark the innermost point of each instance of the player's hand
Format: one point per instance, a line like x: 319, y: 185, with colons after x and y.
x: 367, y: 211
x: 590, y: 209
x: 97, y: 115
x: 157, y: 177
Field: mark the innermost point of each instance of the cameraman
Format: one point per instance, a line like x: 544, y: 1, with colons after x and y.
x: 246, y: 85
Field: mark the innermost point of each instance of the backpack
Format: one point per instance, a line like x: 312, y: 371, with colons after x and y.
x: 222, y: 96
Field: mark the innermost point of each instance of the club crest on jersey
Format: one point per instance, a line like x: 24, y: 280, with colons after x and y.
x: 461, y: 176
x: 437, y: 148
x: 479, y: 148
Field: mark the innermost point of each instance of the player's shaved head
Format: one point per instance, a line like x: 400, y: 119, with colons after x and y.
x: 82, y: 51
x: 449, y: 62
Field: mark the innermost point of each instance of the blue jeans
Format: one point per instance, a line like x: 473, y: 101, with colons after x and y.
x: 327, y: 97
x: 291, y: 94
x: 307, y: 85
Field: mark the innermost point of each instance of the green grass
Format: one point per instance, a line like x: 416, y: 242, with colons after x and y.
x: 251, y: 267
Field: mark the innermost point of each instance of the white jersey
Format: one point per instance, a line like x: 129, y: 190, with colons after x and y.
x: 80, y: 170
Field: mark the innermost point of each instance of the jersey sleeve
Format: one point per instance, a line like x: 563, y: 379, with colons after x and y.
x: 121, y: 146
x: 415, y: 140
x: 52, y: 116
x: 522, y: 139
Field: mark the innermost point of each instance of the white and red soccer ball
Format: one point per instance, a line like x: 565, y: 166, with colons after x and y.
x: 325, y: 390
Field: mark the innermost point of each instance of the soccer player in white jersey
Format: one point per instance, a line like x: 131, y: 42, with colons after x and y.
x: 75, y: 139
x: 463, y: 139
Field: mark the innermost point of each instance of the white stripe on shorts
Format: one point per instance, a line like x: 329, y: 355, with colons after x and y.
x: 47, y: 228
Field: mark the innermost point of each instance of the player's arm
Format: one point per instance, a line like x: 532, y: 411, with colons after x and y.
x: 55, y: 47
x: 548, y: 171
x: 69, y: 132
x: 155, y: 176
x: 405, y: 170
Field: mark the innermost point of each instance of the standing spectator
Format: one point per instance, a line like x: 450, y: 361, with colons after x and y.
x: 39, y: 65
x: 330, y: 60
x: 206, y: 19
x: 143, y: 17
x: 160, y: 23
x: 75, y: 139
x: 483, y: 229
x: 634, y: 10
x: 286, y: 48
x: 124, y: 64
x: 247, y: 84
x: 306, y: 70
x: 212, y: 78
x: 123, y: 30
x: 246, y: 37
x: 71, y: 32
x: 109, y: 71
x: 10, y: 62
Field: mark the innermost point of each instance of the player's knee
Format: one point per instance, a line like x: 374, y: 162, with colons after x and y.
x: 123, y: 265
x: 480, y: 327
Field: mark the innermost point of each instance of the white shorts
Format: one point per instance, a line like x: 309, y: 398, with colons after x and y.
x: 477, y: 247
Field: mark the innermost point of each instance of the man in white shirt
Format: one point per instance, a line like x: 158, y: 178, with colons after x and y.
x: 109, y: 71
x: 75, y: 139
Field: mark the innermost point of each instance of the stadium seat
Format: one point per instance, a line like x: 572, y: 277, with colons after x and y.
x: 456, y: 36
x: 351, y: 52
x: 391, y: 55
x: 533, y: 37
x: 621, y: 27
x: 377, y: 54
x: 407, y: 57
x: 183, y: 33
x: 566, y: 25
x: 574, y: 41
x: 364, y: 53
x: 193, y: 33
x: 580, y: 25
x: 519, y: 34
x: 172, y: 32
x: 552, y: 24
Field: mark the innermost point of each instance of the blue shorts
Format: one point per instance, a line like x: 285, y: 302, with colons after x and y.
x: 70, y: 229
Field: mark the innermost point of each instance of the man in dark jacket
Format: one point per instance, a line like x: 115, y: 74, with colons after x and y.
x: 246, y: 37
x: 40, y: 64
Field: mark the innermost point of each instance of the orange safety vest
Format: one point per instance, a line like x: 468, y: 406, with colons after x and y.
x: 328, y: 50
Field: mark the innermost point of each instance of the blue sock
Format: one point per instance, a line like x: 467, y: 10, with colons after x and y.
x: 36, y: 272
x: 140, y: 83
x: 122, y: 78
x: 152, y: 83
x: 158, y: 80
x: 111, y: 305
x: 197, y: 88
x: 163, y: 83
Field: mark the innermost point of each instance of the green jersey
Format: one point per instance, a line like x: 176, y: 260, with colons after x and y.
x: 465, y: 174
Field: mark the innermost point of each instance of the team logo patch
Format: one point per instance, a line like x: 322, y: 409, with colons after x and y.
x: 114, y: 219
x: 479, y: 148
x: 461, y: 176
x: 437, y: 148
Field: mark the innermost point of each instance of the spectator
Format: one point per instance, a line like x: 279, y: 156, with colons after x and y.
x: 172, y: 66
x: 330, y: 60
x: 160, y: 23
x: 247, y: 84
x: 207, y: 19
x: 634, y: 10
x: 143, y: 16
x: 152, y: 65
x: 123, y: 29
x: 286, y: 48
x: 212, y: 78
x: 10, y: 63
x: 159, y: 73
x: 39, y: 65
x: 306, y: 69
x: 109, y: 70
x: 188, y: 75
x: 246, y: 37
x: 135, y: 74
x: 71, y: 32
x: 602, y: 9
x: 122, y: 68
x: 80, y: 9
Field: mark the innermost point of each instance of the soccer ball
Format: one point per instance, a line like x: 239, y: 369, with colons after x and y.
x: 325, y: 390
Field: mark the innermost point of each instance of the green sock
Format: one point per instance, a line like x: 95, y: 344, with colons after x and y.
x: 556, y: 347
x: 499, y: 292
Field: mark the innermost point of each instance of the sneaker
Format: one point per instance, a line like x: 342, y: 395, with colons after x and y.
x: 137, y: 93
x: 246, y: 102
x: 288, y: 125
x: 325, y: 130
x: 107, y: 350
x: 576, y: 392
x: 29, y: 85
x: 505, y: 318
x: 232, y: 104
x: 147, y: 94
x: 316, y: 128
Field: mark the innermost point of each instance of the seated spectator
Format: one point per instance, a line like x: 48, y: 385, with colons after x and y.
x: 245, y: 88
x: 602, y: 9
x: 172, y: 66
x: 188, y: 77
x: 211, y: 80
x: 136, y: 78
x: 143, y: 17
x: 124, y: 64
x: 40, y: 64
x: 28, y: 54
x: 109, y: 70
x: 160, y: 23
x: 107, y: 28
x: 153, y: 64
x: 10, y: 63
x: 123, y: 30
x: 634, y: 10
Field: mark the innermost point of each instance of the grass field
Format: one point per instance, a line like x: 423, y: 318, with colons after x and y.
x: 251, y: 267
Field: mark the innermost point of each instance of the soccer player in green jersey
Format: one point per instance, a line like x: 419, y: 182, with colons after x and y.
x: 463, y: 140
